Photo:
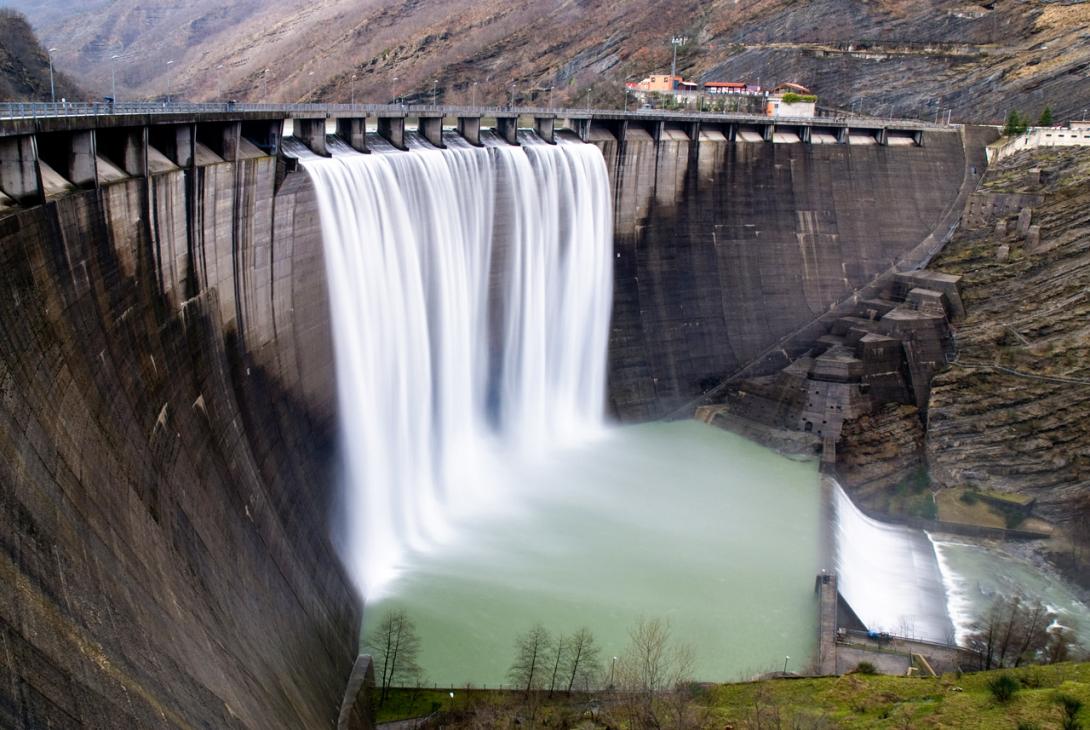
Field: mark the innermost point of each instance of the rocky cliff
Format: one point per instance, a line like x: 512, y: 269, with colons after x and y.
x: 1010, y: 413
x: 24, y: 64
x: 909, y: 58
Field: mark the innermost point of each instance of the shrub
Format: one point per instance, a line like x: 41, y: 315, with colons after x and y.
x: 1003, y: 687
x: 969, y: 497
x: 865, y: 668
x: 793, y: 98
x: 1070, y: 707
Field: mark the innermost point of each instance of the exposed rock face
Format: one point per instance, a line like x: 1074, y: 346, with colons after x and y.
x: 978, y: 59
x: 165, y: 452
x: 1010, y: 415
x: 24, y: 64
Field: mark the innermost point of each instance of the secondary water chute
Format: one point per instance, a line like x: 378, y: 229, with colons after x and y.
x: 889, y: 575
x: 470, y: 293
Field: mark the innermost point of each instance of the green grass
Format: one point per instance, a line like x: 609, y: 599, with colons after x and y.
x: 861, y: 701
x: 852, y: 701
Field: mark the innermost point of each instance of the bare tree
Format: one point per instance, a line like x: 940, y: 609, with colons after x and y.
x: 395, y: 647
x: 584, y: 663
x: 653, y: 666
x: 531, y: 652
x: 559, y: 654
x: 1012, y: 633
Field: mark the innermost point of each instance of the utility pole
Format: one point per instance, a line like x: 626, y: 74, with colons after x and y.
x: 52, y: 86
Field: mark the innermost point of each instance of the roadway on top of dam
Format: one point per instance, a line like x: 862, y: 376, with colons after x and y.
x: 25, y: 118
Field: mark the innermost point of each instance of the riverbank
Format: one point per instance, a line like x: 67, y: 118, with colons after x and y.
x: 849, y: 702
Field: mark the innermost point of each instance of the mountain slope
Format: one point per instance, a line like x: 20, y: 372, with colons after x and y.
x: 24, y: 64
x: 909, y: 58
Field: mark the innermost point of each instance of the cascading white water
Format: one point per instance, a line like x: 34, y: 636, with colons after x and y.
x: 889, y: 575
x: 470, y: 292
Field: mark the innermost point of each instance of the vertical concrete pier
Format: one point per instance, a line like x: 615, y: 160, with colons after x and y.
x: 311, y: 132
x: 431, y: 129
x: 470, y: 129
x: 392, y: 129
x: 353, y: 130
x: 545, y: 127
x: 825, y: 587
x: 19, y: 170
x: 507, y: 126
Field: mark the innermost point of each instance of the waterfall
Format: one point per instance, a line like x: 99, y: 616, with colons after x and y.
x: 470, y: 293
x: 889, y: 575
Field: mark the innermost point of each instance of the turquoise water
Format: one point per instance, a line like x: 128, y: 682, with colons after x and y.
x: 679, y: 521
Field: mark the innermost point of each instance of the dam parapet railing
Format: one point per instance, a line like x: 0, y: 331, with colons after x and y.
x: 50, y: 149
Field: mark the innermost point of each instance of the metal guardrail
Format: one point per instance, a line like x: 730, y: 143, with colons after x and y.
x: 47, y: 110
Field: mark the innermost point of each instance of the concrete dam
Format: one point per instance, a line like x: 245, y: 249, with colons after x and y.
x: 167, y: 374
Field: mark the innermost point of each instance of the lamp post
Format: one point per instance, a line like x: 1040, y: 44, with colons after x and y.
x: 588, y: 100
x: 435, y: 92
x: 612, y: 668
x: 473, y: 92
x: 265, y: 84
x: 394, y: 90
x: 785, y: 660
x: 113, y: 77
x: 550, y: 96
x: 169, y: 63
x: 354, y: 77
x: 219, y: 80
x: 675, y: 42
x: 52, y: 86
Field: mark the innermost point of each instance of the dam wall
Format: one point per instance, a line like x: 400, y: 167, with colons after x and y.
x: 166, y: 444
x: 725, y: 249
x: 167, y: 404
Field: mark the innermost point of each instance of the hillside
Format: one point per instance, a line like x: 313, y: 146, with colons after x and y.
x: 908, y: 58
x: 1010, y: 414
x: 24, y: 64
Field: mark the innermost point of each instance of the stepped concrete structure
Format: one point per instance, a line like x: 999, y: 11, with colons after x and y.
x: 167, y: 395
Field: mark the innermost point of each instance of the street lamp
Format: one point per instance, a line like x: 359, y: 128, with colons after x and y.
x: 474, y: 93
x: 52, y: 86
x: 785, y: 660
x: 435, y: 92
x: 587, y: 95
x: 168, y: 79
x: 219, y: 81
x: 113, y: 77
x: 612, y: 668
x: 394, y: 89
x: 265, y: 84
x: 354, y: 77
x: 675, y: 42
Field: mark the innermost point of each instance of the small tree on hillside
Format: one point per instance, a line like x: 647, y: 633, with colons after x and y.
x: 1016, y: 124
x: 1045, y: 119
x: 395, y: 647
x: 529, y: 669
